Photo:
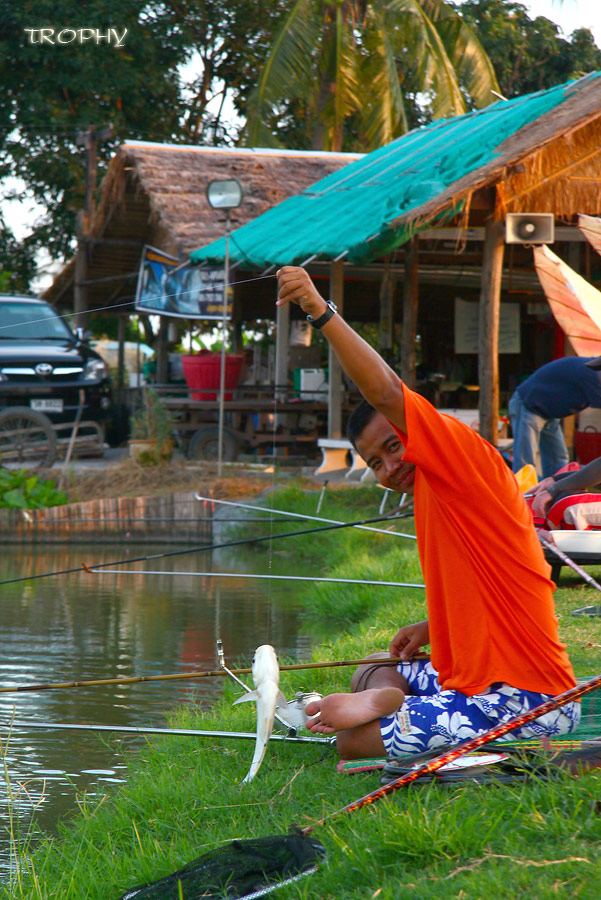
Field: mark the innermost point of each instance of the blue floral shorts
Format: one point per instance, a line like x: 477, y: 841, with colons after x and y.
x: 431, y: 717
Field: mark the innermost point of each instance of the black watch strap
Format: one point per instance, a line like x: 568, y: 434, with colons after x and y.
x: 325, y: 317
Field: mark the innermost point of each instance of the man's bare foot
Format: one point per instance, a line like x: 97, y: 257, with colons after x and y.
x: 338, y: 712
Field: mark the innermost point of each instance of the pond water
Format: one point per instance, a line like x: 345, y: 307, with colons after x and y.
x: 80, y: 627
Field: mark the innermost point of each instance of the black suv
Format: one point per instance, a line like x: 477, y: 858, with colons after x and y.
x: 44, y: 365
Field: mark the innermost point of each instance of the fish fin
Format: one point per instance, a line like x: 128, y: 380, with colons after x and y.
x: 252, y: 695
x: 281, y: 703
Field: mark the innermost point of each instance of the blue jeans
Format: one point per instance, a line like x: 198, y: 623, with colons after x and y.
x: 532, y: 432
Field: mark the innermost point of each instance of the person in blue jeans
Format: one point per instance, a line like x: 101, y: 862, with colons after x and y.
x: 558, y: 389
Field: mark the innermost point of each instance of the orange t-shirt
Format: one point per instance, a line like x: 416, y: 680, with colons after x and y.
x: 489, y: 597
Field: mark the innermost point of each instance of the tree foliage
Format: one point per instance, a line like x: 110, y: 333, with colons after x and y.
x: 529, y: 54
x: 53, y: 91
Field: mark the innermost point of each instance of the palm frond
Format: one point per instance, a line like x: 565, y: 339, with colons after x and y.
x: 468, y: 57
x: 434, y: 68
x: 289, y: 69
x: 382, y: 116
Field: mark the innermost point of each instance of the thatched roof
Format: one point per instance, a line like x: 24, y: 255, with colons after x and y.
x: 156, y: 194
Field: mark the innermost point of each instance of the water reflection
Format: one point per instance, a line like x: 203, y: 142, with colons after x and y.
x: 81, y: 627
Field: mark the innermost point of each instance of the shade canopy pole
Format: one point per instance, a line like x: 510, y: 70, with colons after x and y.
x: 488, y: 327
x: 282, y: 339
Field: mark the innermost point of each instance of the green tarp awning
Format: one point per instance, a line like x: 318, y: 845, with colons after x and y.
x: 350, y: 211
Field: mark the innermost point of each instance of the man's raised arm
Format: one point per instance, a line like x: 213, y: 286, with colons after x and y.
x: 378, y: 383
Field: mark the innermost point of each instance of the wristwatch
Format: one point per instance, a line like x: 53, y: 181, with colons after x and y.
x: 325, y: 317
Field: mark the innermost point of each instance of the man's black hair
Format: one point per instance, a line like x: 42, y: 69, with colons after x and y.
x: 358, y: 420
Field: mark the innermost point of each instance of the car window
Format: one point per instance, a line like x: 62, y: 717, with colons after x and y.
x: 27, y: 322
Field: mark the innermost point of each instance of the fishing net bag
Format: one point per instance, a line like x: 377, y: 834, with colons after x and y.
x: 240, y: 870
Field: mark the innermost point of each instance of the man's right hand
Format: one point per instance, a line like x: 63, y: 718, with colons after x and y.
x: 295, y: 286
x: 409, y: 639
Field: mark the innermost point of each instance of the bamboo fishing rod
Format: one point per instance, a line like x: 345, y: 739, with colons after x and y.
x: 180, y: 676
x: 205, y: 548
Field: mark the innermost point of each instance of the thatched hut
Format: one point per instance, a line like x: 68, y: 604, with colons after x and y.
x: 156, y: 194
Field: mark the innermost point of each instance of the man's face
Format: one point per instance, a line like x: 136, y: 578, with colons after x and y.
x: 382, y: 450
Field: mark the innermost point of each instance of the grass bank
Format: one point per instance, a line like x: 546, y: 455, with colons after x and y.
x: 183, y: 795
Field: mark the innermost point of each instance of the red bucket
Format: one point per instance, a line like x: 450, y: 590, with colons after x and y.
x: 202, y: 372
x: 587, y: 445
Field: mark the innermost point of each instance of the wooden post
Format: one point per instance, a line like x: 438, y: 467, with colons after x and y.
x: 80, y: 290
x: 387, y: 287
x: 488, y: 328
x: 569, y: 423
x: 121, y: 323
x: 334, y: 369
x: 410, y: 307
x: 162, y: 356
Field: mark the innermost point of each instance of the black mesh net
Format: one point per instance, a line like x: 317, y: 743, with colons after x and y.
x: 238, y: 870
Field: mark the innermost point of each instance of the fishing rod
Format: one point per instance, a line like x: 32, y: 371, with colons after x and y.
x: 205, y: 548
x: 179, y: 676
x: 280, y: 512
x: 427, y: 768
x: 569, y: 562
x: 182, y: 732
x: 247, y: 575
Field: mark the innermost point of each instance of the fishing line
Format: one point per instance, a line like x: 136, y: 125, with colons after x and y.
x: 207, y: 547
x: 132, y: 302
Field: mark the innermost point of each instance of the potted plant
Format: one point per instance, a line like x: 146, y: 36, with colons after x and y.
x: 151, y: 428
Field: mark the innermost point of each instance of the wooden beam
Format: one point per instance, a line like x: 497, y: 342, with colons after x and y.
x: 334, y: 369
x: 410, y: 308
x: 488, y: 328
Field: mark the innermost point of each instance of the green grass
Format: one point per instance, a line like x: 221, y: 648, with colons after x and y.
x: 474, y: 842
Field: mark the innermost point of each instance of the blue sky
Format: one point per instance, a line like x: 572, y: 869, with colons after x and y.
x: 569, y: 14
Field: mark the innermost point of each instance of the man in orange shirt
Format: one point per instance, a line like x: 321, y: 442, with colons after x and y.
x: 495, y: 649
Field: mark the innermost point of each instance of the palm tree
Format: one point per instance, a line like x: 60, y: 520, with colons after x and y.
x: 348, y: 62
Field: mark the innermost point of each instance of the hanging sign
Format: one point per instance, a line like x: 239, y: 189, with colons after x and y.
x: 166, y: 288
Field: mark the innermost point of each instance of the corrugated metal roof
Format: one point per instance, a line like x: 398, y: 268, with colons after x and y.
x: 370, y: 206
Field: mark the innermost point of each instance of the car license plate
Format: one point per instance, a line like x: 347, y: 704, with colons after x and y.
x: 47, y: 405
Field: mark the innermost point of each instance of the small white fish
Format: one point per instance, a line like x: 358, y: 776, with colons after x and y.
x: 268, y: 696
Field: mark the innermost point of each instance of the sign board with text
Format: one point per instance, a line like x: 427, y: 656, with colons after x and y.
x: 166, y: 288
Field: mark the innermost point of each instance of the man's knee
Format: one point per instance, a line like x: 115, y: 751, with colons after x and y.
x: 378, y: 674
